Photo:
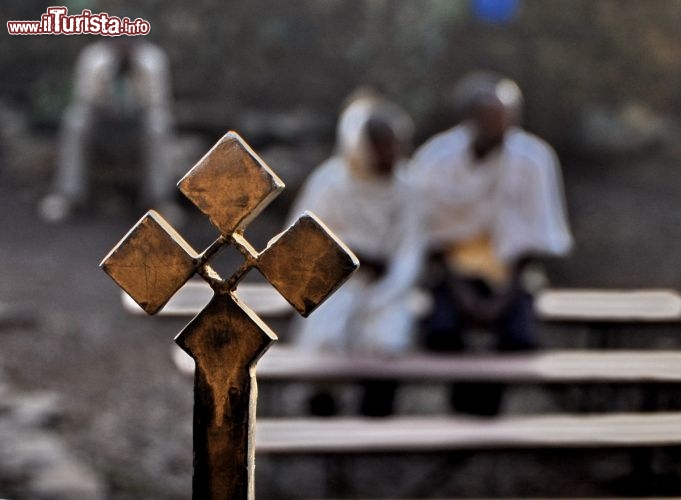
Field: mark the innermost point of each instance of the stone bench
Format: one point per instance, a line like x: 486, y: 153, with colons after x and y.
x: 284, y: 363
x: 340, y: 436
x: 554, y: 305
x: 446, y: 433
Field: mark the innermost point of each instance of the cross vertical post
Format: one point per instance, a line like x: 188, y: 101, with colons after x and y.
x: 306, y: 263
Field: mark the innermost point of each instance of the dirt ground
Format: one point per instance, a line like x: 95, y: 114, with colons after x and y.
x: 126, y: 411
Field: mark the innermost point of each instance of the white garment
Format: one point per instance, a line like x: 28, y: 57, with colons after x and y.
x: 97, y: 88
x: 514, y: 194
x: 149, y: 70
x: 373, y: 217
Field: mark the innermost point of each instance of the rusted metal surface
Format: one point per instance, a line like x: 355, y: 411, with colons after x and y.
x: 305, y: 263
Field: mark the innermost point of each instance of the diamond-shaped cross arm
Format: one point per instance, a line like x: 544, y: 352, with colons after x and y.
x: 226, y: 340
x: 231, y: 184
x: 151, y: 262
x: 306, y: 263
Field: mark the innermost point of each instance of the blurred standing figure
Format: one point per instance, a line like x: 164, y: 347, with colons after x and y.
x: 493, y: 203
x: 359, y: 196
x: 121, y: 89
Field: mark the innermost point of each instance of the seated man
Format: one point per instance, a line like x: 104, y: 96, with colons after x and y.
x: 357, y: 194
x: 121, y: 102
x: 492, y: 202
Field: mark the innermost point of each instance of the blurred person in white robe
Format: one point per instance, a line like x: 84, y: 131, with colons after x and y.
x: 359, y: 196
x: 493, y: 205
x: 121, y: 105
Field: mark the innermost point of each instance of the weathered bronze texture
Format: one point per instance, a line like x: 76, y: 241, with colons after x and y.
x: 225, y: 339
x: 151, y: 262
x: 231, y: 184
x: 305, y: 263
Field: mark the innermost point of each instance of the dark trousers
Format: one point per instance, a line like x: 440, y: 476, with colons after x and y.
x: 377, y: 400
x: 445, y: 330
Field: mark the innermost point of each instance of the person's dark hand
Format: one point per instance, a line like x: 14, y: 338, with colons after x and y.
x: 482, y: 309
x: 493, y: 308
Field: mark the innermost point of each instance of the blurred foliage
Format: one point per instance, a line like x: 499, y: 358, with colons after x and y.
x: 49, y: 96
x: 229, y: 57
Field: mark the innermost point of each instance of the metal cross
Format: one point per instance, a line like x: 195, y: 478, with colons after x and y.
x: 305, y: 263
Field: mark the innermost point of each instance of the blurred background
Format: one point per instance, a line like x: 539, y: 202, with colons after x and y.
x: 94, y: 390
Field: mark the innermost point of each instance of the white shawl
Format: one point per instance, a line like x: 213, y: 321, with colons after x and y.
x: 374, y: 217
